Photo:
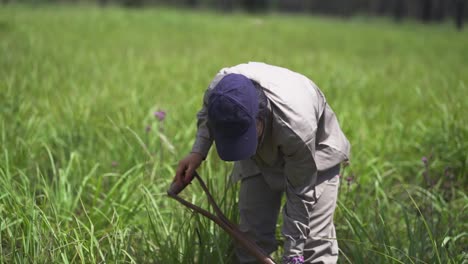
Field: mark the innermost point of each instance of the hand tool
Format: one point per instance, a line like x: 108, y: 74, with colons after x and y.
x: 220, y: 219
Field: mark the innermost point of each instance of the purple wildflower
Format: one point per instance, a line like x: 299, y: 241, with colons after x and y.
x: 349, y: 180
x: 424, y: 160
x: 160, y: 115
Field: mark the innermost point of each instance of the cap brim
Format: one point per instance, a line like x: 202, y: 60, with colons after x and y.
x: 237, y: 148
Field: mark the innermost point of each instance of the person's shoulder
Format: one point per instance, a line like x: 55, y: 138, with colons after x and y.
x: 290, y: 130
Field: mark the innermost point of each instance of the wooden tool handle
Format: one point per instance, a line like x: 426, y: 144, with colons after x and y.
x: 177, y: 186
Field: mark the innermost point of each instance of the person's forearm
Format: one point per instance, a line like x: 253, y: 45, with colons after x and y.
x: 202, y: 146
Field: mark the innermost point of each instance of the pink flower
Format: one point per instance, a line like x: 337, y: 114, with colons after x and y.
x: 424, y: 160
x: 349, y: 180
x: 160, y: 115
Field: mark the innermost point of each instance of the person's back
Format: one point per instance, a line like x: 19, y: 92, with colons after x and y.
x: 299, y: 102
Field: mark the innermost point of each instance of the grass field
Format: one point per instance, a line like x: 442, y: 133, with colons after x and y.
x: 85, y: 164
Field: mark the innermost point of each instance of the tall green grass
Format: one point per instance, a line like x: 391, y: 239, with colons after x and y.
x: 85, y: 165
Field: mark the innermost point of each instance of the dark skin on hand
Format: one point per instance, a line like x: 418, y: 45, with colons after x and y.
x: 192, y: 161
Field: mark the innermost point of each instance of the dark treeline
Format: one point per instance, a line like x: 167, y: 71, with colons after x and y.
x: 425, y: 10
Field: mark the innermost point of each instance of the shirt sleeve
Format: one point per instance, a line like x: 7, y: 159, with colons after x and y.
x: 204, y: 139
x: 301, y: 174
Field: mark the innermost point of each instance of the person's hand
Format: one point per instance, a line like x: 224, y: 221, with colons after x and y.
x: 187, y: 167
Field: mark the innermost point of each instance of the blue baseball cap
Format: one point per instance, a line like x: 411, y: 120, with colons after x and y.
x: 232, y: 112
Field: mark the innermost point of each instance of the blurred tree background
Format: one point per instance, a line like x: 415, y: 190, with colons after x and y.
x: 427, y: 11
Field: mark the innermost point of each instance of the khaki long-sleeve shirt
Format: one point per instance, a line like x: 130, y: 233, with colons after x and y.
x: 302, y: 136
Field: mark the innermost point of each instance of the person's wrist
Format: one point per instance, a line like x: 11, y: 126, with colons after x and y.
x: 198, y: 154
x: 293, y: 260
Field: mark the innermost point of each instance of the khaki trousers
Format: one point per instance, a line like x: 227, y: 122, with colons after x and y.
x: 259, y: 205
